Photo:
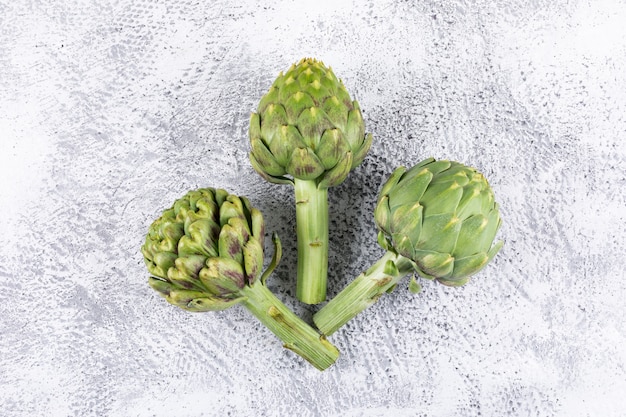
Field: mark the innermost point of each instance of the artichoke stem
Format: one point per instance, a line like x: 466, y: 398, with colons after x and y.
x: 312, y: 235
x: 362, y: 292
x: 295, y: 334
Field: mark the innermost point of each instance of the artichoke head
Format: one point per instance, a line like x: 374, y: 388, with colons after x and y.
x: 307, y: 127
x: 204, y: 249
x: 442, y: 215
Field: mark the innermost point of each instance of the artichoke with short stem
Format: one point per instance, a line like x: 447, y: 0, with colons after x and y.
x: 205, y: 253
x: 308, y: 132
x: 438, y: 220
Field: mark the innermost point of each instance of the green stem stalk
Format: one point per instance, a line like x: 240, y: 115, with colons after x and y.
x: 296, y: 335
x: 312, y: 234
x: 361, y: 293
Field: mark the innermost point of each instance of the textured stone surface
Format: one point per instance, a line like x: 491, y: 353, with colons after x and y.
x: 110, y: 110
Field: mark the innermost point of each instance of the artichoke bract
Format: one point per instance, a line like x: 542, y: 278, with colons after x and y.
x: 438, y: 220
x: 205, y: 253
x: 308, y: 132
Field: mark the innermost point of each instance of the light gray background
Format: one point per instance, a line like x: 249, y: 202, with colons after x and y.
x: 111, y: 110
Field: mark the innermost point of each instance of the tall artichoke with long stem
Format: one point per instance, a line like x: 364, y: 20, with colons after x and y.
x: 205, y: 253
x: 438, y: 220
x: 308, y: 132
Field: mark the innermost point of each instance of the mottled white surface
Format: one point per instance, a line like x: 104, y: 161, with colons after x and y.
x: 110, y: 110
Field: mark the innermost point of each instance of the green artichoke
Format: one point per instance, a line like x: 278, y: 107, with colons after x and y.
x: 443, y: 216
x: 438, y: 219
x: 308, y: 132
x: 205, y: 253
x: 307, y: 127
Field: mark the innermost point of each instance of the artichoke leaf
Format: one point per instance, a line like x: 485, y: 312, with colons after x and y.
x: 433, y: 264
x: 212, y: 304
x: 361, y: 151
x: 304, y: 164
x: 395, y: 176
x: 264, y: 161
x: 230, y: 244
x: 278, y: 253
x: 252, y: 259
x: 222, y: 276
x: 271, y: 178
x: 337, y: 174
x: 332, y: 148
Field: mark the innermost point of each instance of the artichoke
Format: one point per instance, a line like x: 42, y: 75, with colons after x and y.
x: 308, y: 132
x: 439, y: 220
x: 205, y: 253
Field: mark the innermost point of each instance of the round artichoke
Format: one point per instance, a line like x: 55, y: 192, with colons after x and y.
x: 308, y: 132
x: 308, y: 127
x: 442, y: 215
x: 205, y: 253
x: 438, y: 219
x: 204, y: 249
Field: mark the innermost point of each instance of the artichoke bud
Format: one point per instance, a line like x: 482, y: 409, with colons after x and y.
x: 205, y: 249
x: 307, y: 125
x: 441, y: 215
